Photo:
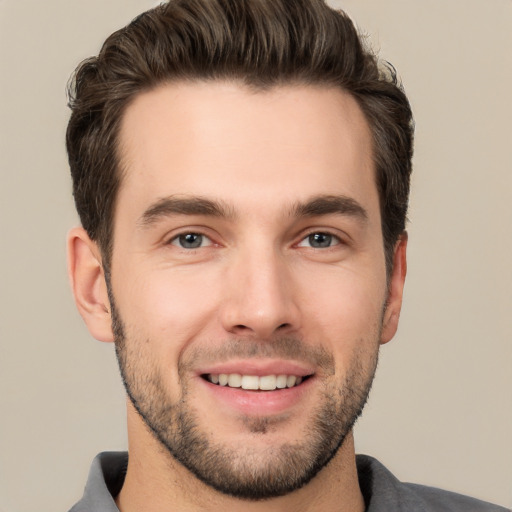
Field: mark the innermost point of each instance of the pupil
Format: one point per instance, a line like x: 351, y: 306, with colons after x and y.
x: 320, y: 240
x: 191, y: 240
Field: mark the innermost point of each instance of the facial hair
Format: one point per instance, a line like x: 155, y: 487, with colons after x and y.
x: 249, y: 473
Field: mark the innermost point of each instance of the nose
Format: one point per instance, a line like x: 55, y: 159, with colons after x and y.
x: 260, y: 301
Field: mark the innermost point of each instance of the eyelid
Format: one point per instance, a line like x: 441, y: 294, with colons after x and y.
x: 206, y: 241
x: 173, y: 237
x: 339, y: 239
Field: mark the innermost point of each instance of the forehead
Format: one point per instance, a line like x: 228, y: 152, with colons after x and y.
x: 222, y: 140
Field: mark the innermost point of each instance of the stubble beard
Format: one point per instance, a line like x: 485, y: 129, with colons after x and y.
x: 247, y: 472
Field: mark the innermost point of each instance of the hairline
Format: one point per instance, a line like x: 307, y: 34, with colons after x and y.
x: 105, y: 238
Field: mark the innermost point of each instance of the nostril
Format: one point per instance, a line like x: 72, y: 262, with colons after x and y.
x: 260, y: 330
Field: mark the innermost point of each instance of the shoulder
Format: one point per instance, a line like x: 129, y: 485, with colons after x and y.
x: 441, y: 500
x: 105, y: 480
x: 383, y: 491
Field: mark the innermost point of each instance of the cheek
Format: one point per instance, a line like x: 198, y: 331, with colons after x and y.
x: 162, y: 314
x: 169, y: 305
x: 343, y: 307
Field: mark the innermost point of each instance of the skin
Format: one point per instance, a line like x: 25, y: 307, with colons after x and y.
x: 255, y: 279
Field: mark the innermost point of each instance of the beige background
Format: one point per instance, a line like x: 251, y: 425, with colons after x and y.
x: 441, y: 409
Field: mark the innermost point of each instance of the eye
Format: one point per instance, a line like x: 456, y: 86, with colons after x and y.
x: 320, y: 241
x: 191, y: 241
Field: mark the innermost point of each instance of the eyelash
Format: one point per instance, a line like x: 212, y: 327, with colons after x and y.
x: 176, y: 239
x: 334, y: 238
x: 330, y: 236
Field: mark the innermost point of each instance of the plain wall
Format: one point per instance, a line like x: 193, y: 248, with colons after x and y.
x: 440, y: 412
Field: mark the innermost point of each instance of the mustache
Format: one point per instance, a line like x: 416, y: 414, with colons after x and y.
x: 291, y: 348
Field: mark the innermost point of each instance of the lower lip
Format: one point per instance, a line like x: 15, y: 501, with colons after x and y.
x: 258, y: 403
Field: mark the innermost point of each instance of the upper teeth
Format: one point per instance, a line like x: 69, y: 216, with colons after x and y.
x: 266, y: 382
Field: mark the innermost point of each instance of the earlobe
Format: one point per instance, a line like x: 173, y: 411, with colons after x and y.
x: 88, y: 283
x: 395, y: 290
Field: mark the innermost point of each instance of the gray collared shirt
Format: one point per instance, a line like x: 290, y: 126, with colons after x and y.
x: 381, y: 490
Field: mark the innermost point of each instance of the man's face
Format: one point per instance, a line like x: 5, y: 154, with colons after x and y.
x: 248, y: 248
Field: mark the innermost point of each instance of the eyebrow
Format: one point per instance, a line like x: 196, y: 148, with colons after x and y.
x: 328, y: 205
x: 179, y: 205
x: 196, y: 205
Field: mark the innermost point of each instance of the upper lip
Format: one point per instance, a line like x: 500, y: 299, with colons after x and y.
x: 258, y: 367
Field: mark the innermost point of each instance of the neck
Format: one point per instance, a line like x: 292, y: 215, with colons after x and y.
x: 156, y: 482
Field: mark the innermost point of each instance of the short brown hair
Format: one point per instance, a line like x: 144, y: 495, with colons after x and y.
x: 261, y: 43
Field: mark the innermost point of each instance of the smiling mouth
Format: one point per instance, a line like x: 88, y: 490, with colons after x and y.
x: 254, y: 382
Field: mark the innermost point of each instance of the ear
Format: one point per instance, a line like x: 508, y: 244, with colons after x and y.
x: 88, y: 283
x: 395, y: 290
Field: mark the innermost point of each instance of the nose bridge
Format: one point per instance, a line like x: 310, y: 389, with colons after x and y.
x: 261, y: 299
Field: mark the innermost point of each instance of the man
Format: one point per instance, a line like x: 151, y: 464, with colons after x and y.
x: 241, y: 170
